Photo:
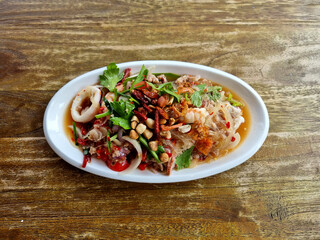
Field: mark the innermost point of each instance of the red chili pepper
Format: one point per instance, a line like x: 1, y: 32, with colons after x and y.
x: 81, y: 141
x: 138, y: 95
x: 168, y: 151
x: 116, y: 148
x: 144, y: 155
x: 150, y: 94
x: 126, y: 74
x: 233, y: 139
x: 228, y: 125
x: 83, y: 130
x: 86, y: 159
x: 103, y: 153
x: 142, y: 166
x: 157, y: 125
x: 146, y: 107
x: 141, y: 116
x: 174, y: 141
x: 163, y: 113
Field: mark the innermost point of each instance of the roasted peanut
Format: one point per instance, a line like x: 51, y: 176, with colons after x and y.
x: 166, y: 134
x: 148, y: 134
x: 134, y: 124
x: 150, y: 123
x: 141, y: 128
x: 135, y: 118
x: 164, y: 157
x: 153, y: 145
x: 133, y: 134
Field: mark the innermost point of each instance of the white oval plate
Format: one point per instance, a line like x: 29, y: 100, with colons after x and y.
x: 57, y: 139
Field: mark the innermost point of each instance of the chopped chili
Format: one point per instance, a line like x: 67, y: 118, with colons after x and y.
x: 156, y: 124
x: 141, y: 116
x: 163, y: 113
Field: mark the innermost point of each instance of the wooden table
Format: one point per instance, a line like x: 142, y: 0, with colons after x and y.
x: 273, y: 45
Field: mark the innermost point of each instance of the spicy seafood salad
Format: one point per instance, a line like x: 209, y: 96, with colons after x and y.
x: 155, y: 121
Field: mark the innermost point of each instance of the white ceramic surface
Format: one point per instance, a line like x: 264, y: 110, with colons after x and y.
x: 57, y: 139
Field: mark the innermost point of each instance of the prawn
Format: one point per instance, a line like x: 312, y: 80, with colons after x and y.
x: 193, y: 115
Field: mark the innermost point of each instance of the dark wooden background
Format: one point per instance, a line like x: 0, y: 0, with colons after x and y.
x: 272, y: 45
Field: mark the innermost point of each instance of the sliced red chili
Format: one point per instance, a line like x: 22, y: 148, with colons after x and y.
x: 233, y: 139
x: 228, y: 125
x: 163, y: 113
x: 81, y: 141
x: 150, y: 94
x: 157, y: 125
x: 142, y: 166
x: 86, y: 159
x: 126, y: 74
x: 146, y: 107
x: 83, y: 130
x: 141, y: 116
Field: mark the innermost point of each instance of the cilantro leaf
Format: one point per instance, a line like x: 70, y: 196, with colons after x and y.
x: 196, y: 99
x: 166, y: 88
x: 122, y: 108
x: 144, y: 71
x: 211, y: 92
x: 122, y: 122
x: 184, y: 159
x: 122, y: 111
x: 111, y: 77
x: 201, y: 87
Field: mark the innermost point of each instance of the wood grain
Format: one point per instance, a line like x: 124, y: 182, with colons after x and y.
x: 272, y: 45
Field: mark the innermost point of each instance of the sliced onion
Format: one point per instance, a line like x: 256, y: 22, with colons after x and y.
x: 115, y: 128
x: 135, y: 162
x: 120, y: 135
x: 235, y: 142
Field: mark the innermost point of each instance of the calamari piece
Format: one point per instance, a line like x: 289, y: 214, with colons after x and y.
x: 86, y: 104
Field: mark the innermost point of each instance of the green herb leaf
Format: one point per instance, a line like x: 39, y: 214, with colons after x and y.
x: 166, y: 88
x: 75, y: 133
x: 201, y: 87
x: 101, y: 115
x: 169, y: 76
x: 184, y: 159
x: 161, y: 149
x: 153, y: 153
x: 173, y: 94
x: 122, y: 108
x: 122, y: 122
x: 234, y: 102
x: 111, y: 77
x: 196, y: 99
x: 113, y: 137
x: 108, y: 141
x: 140, y: 76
